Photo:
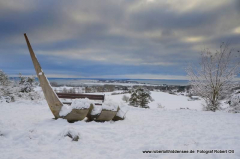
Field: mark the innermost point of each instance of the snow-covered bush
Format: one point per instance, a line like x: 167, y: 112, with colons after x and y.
x: 11, y: 91
x: 34, y: 95
x: 4, y: 80
x: 6, y: 91
x: 160, y: 106
x: 26, y: 83
x: 24, y: 89
x: 7, y: 99
x: 125, y: 98
x: 234, y: 103
x: 140, y: 97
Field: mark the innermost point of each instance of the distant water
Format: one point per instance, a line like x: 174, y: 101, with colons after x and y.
x: 76, y: 81
x: 79, y: 81
x: 162, y: 81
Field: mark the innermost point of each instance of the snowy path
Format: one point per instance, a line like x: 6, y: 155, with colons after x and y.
x: 29, y: 132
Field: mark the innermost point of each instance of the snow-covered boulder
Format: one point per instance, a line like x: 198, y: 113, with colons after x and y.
x: 71, y: 133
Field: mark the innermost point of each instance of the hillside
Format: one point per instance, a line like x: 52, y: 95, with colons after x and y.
x: 28, y: 130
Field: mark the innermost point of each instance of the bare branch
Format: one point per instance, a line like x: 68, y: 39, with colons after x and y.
x: 214, y: 79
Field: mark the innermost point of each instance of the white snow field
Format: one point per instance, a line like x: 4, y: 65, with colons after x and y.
x: 27, y: 131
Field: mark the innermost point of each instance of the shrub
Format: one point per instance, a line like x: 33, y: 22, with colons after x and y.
x: 125, y: 98
x: 140, y: 97
x: 26, y: 83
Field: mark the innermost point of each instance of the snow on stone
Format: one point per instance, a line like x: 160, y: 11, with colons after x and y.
x: 96, y: 110
x: 81, y: 103
x: 76, y: 104
x: 69, y: 132
x: 110, y: 105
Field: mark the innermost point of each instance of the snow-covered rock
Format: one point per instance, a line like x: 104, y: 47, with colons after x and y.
x: 71, y: 133
x: 109, y: 104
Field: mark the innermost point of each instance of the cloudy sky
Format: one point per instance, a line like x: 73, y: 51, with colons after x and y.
x: 114, y: 38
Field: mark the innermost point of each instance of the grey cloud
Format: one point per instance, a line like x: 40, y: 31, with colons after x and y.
x: 116, y: 34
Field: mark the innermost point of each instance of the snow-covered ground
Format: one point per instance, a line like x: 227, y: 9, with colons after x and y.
x: 28, y: 131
